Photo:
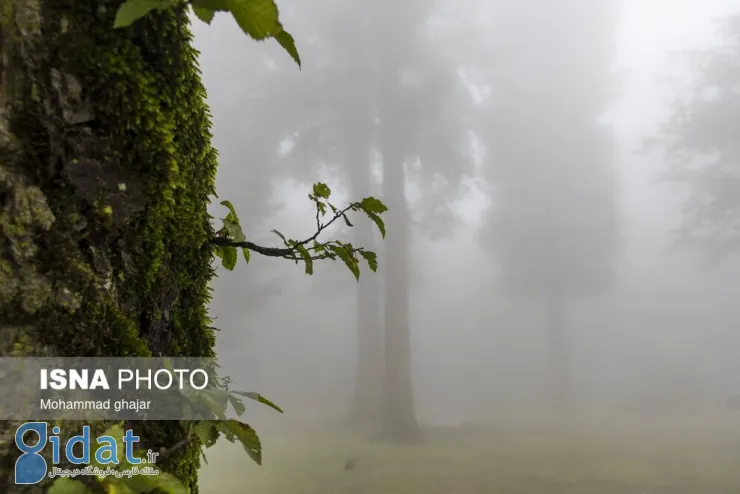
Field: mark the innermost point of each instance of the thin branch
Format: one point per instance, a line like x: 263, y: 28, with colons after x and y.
x: 286, y: 252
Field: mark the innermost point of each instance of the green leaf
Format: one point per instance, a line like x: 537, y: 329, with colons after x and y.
x: 259, y: 398
x: 346, y: 220
x: 206, y: 432
x: 257, y: 18
x: 371, y: 258
x: 204, y: 14
x: 231, y: 210
x: 247, y: 254
x: 378, y: 222
x: 288, y: 43
x: 235, y: 430
x: 344, y: 253
x: 281, y: 236
x: 373, y: 205
x: 228, y: 257
x: 234, y: 229
x: 132, y: 10
x: 238, y: 405
x: 321, y: 190
x: 306, y: 257
x: 65, y: 485
x: 215, y: 399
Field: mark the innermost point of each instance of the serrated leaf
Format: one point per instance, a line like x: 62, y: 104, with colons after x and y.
x: 306, y: 258
x: 288, y: 44
x: 371, y: 258
x: 206, y: 432
x: 322, y: 190
x: 235, y: 430
x: 133, y: 10
x: 228, y: 257
x: 259, y: 398
x: 373, y: 205
x: 378, y: 222
x: 65, y: 485
x: 257, y: 18
x: 204, y: 14
x: 343, y: 252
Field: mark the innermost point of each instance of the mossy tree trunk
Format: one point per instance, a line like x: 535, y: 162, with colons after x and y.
x: 106, y: 168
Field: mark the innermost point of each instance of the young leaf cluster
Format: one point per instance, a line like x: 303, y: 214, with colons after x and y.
x: 231, y: 237
x: 259, y: 19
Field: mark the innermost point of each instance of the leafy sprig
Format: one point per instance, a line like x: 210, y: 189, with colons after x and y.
x: 231, y: 236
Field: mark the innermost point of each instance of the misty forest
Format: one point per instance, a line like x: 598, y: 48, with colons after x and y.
x: 553, y: 309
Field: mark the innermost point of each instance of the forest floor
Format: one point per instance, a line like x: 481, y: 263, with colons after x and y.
x: 630, y: 459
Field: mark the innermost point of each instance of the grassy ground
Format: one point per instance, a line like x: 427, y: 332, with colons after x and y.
x: 634, y: 459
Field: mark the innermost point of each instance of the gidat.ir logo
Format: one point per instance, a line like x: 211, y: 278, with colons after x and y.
x: 31, y: 467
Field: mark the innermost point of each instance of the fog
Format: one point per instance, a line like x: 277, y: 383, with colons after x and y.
x: 540, y: 263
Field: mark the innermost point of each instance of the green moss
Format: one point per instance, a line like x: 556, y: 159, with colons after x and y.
x: 88, y: 266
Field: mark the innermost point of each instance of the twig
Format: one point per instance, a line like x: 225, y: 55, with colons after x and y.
x: 286, y: 252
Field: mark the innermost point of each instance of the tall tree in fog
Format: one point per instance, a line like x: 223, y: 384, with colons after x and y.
x: 330, y: 124
x: 422, y: 127
x: 359, y: 93
x: 552, y: 223
x: 701, y: 144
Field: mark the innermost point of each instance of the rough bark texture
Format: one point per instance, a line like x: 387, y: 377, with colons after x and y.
x: 105, y: 171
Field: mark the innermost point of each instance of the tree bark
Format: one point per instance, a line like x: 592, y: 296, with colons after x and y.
x: 106, y: 169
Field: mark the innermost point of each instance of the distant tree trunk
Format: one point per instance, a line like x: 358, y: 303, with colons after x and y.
x: 105, y: 171
x: 365, y: 406
x: 399, y: 418
x: 558, y: 362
